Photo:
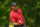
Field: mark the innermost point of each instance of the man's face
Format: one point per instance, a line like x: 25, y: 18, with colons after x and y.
x: 14, y: 7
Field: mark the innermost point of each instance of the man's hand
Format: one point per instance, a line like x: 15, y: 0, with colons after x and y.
x: 15, y: 23
x: 19, y: 22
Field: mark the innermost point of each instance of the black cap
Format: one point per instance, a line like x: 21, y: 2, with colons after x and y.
x: 13, y: 4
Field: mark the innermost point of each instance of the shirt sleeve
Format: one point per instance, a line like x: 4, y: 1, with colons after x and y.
x: 20, y: 17
x: 12, y: 18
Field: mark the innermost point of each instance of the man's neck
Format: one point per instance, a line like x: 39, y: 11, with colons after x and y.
x: 15, y: 10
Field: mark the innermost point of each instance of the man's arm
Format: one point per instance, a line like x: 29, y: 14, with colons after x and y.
x: 13, y: 20
x: 16, y: 23
x: 24, y: 19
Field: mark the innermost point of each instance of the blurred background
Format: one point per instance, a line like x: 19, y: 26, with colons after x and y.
x: 30, y: 9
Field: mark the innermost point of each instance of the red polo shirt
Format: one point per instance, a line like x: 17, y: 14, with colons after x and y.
x: 16, y: 16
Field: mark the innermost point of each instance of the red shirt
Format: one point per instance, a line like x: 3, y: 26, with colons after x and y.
x: 16, y: 16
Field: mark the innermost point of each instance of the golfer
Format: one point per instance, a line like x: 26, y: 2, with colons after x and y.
x: 16, y: 16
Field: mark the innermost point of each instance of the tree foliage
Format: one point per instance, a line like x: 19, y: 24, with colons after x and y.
x: 28, y: 8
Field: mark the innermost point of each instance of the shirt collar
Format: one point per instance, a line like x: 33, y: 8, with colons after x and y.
x: 13, y: 11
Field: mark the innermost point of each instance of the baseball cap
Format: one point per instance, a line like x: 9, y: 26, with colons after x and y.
x: 13, y: 4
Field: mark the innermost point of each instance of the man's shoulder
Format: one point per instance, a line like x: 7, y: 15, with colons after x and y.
x: 12, y: 13
x: 18, y: 9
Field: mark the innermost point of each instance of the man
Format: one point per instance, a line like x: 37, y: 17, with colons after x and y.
x: 16, y: 16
